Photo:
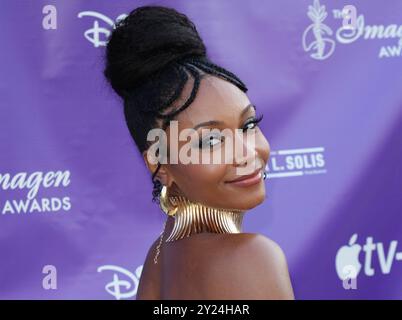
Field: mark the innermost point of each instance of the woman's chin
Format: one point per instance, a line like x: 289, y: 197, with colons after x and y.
x: 247, y: 199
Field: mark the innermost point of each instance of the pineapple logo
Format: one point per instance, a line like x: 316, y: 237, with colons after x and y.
x: 315, y: 38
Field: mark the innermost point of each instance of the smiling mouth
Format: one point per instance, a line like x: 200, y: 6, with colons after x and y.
x: 247, y: 180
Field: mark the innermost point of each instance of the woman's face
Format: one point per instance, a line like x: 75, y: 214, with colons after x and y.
x: 212, y: 183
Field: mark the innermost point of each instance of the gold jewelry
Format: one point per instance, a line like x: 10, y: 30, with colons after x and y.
x: 160, y: 243
x: 165, y: 205
x: 170, y: 211
x: 195, y: 217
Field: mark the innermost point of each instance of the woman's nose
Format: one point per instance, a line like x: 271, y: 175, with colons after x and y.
x: 244, y: 150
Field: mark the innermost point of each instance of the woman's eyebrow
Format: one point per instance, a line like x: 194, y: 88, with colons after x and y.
x: 216, y: 122
x: 208, y: 123
x: 246, y: 109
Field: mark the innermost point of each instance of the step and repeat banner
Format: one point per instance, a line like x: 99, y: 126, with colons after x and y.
x: 76, y: 216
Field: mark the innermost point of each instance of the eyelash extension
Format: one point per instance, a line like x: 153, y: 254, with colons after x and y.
x: 254, y: 120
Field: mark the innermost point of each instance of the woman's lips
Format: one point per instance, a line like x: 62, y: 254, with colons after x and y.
x: 248, y: 180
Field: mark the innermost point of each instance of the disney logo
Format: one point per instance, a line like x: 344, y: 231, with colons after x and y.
x: 120, y: 288
x: 94, y: 34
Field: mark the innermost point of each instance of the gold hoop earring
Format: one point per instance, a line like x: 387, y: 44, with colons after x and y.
x: 165, y: 204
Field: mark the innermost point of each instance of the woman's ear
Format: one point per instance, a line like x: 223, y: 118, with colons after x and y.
x: 163, y: 174
x: 150, y: 161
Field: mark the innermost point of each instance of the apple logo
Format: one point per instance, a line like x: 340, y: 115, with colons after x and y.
x: 347, y: 260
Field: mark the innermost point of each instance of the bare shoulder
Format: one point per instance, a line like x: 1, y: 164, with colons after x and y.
x: 149, y: 284
x: 248, y: 266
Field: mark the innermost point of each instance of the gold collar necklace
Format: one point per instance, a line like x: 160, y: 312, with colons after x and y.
x: 194, y: 217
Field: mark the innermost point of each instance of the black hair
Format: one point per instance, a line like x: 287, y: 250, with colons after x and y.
x: 150, y: 55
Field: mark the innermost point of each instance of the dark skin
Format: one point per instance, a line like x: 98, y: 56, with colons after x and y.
x: 210, y: 265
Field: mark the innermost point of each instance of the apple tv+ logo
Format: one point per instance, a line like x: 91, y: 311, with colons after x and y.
x: 347, y: 262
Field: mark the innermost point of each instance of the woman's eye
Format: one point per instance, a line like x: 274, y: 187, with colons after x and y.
x: 210, y: 141
x: 252, y: 123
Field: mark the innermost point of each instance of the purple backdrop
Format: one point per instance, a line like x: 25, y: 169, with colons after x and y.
x: 75, y: 195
